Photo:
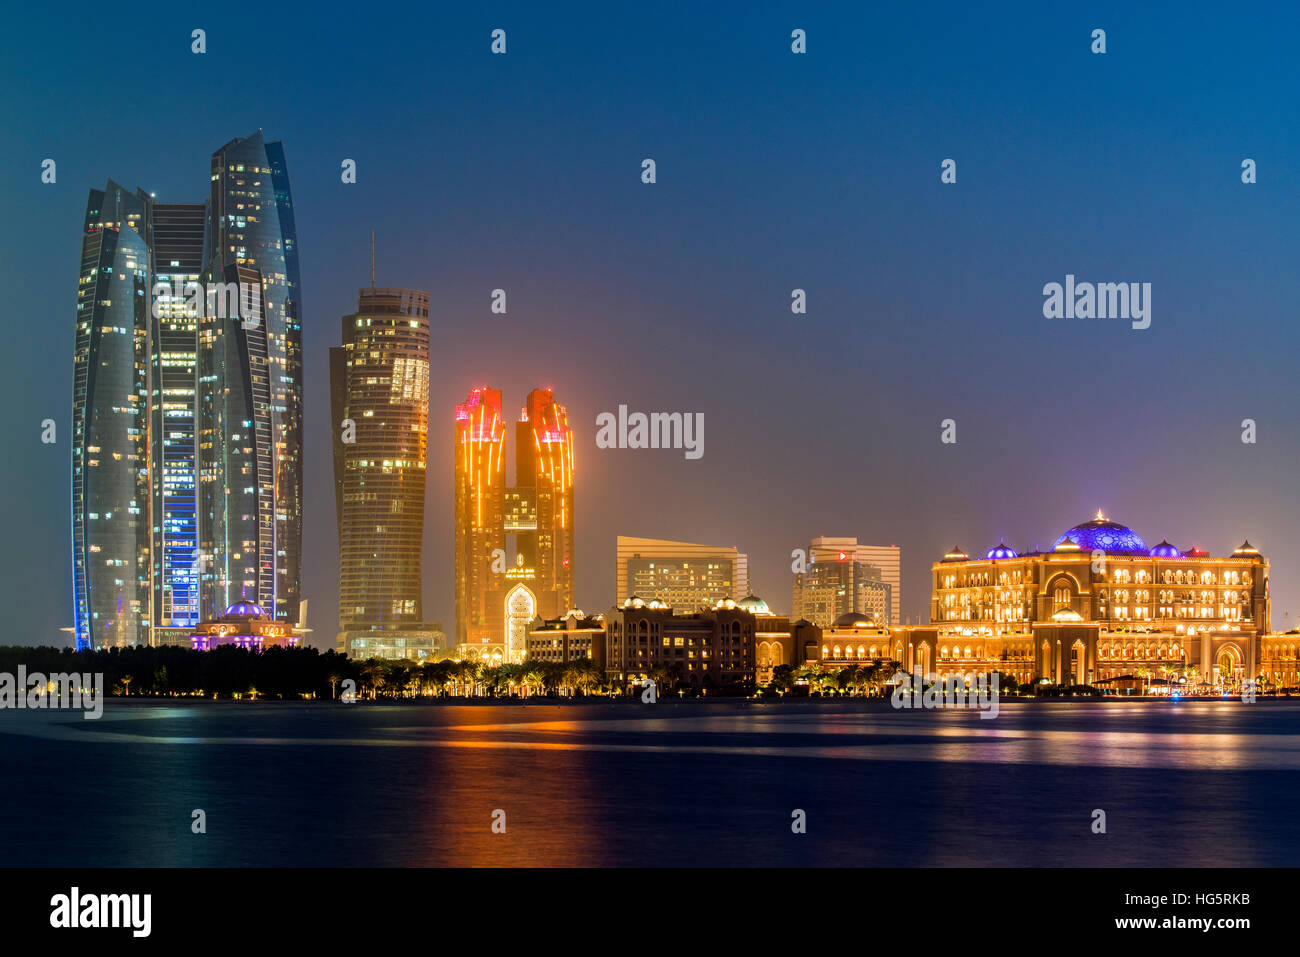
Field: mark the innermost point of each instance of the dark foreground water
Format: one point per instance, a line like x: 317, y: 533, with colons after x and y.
x: 689, y: 783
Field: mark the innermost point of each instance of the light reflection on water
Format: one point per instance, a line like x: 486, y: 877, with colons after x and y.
x: 687, y: 783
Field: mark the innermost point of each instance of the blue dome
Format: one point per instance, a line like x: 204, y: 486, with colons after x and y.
x: 1165, y: 550
x: 1001, y: 550
x: 1101, y: 535
x: 245, y: 609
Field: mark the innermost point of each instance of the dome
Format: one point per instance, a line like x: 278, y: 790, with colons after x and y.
x: 1165, y: 550
x: 245, y: 609
x: 754, y: 605
x: 1001, y: 550
x: 721, y: 603
x: 956, y: 555
x: 575, y: 613
x: 1102, y: 535
x: 1246, y: 549
x: 854, y: 619
x: 1067, y: 614
x: 634, y: 601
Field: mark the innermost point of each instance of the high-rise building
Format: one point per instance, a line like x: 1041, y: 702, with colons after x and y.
x: 250, y: 375
x: 110, y: 454
x: 858, y: 589
x: 682, y: 575
x: 379, y: 396
x: 496, y: 597
x: 178, y: 261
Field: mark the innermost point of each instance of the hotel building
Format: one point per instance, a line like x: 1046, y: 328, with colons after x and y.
x: 1099, y: 604
x: 682, y: 575
x: 497, y: 598
x: 572, y: 638
x: 379, y: 399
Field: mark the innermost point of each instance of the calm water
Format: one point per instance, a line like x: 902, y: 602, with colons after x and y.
x: 675, y: 783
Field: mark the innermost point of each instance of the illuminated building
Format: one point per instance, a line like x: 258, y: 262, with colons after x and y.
x: 683, y: 575
x: 496, y: 598
x: 178, y: 236
x: 250, y: 386
x: 836, y: 581
x: 1096, y: 606
x: 244, y: 624
x: 379, y: 390
x: 110, y: 460
x: 571, y: 638
x: 707, y: 650
x: 854, y: 583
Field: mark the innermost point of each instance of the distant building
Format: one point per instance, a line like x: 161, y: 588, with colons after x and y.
x: 572, y: 638
x: 843, y: 576
x: 685, y: 576
x: 706, y: 650
x: 244, y: 624
x: 379, y: 396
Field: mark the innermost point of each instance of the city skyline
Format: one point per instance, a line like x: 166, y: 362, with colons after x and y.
x: 923, y: 304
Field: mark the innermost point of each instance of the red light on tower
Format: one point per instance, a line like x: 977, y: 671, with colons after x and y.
x: 843, y: 556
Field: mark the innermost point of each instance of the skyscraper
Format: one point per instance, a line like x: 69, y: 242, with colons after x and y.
x: 881, y: 564
x: 496, y: 597
x: 379, y: 396
x: 110, y: 462
x: 177, y: 260
x: 683, y: 575
x: 250, y: 368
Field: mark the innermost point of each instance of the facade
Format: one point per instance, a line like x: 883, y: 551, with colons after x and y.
x: 572, y: 638
x: 498, y: 598
x: 707, y: 650
x: 250, y: 384
x: 110, y: 452
x: 244, y: 624
x: 1100, y: 604
x: 379, y: 397
x: 683, y: 575
x: 835, y: 582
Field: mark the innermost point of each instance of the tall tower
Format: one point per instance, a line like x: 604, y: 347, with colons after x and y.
x: 250, y: 369
x: 497, y: 597
x: 177, y: 259
x: 480, y: 453
x: 544, y: 464
x: 379, y: 387
x: 110, y: 462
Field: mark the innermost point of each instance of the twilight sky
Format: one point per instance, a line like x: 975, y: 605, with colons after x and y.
x: 775, y: 171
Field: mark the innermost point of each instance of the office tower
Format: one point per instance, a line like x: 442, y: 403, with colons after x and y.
x: 835, y: 584
x: 682, y: 575
x: 883, y: 565
x: 110, y: 466
x: 497, y: 597
x: 379, y: 397
x: 178, y: 261
x: 250, y: 369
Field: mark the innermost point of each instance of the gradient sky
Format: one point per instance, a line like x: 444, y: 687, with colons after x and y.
x: 775, y: 171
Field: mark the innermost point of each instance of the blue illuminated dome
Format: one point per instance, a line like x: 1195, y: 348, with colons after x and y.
x: 1165, y: 550
x: 245, y: 609
x: 1102, y: 535
x: 1001, y: 550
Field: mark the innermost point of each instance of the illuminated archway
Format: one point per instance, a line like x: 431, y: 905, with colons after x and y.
x: 521, y: 609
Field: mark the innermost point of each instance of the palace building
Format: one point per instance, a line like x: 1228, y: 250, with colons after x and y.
x: 1098, y: 605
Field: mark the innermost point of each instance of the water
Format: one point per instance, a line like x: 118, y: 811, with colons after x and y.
x: 677, y: 783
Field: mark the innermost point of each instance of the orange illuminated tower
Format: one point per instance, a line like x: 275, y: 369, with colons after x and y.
x: 497, y: 595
